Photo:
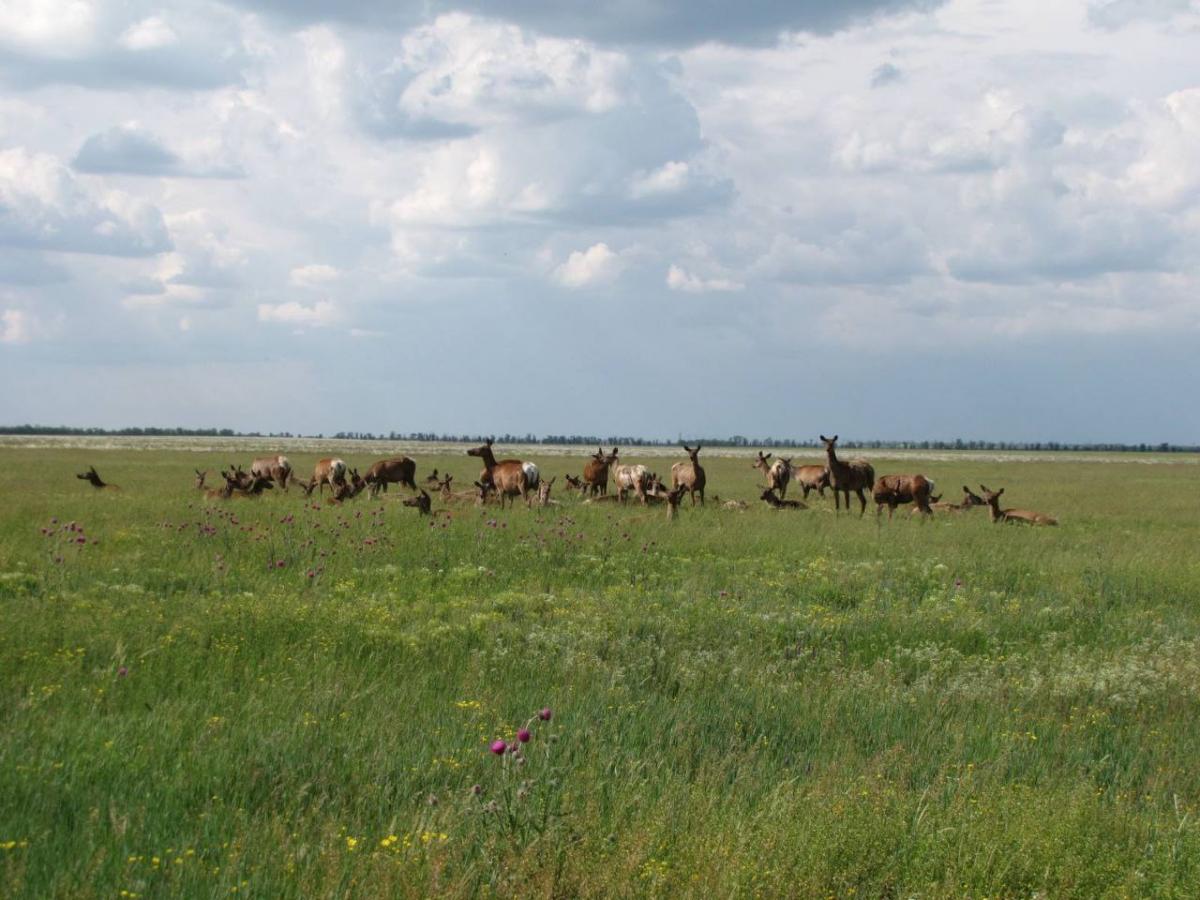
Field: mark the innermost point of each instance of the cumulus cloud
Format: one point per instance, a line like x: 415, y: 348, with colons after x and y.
x: 1113, y: 14
x: 116, y: 45
x: 312, y: 275
x: 43, y: 206
x: 679, y: 279
x: 885, y: 74
x: 14, y: 327
x: 596, y: 265
x: 132, y: 150
x: 319, y: 315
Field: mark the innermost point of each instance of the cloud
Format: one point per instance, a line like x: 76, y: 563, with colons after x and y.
x: 595, y: 265
x: 885, y: 74
x: 679, y: 279
x: 43, y: 206
x: 110, y: 46
x: 668, y: 24
x: 312, y: 275
x: 131, y: 150
x: 1114, y: 14
x: 320, y: 315
x: 14, y: 327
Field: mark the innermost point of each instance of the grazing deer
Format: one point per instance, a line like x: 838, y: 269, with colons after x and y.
x: 276, y: 467
x: 856, y: 475
x: 544, y: 491
x: 893, y: 490
x: 398, y: 470
x: 595, y: 473
x: 690, y: 476
x: 811, y: 478
x: 421, y: 502
x: 768, y: 497
x: 970, y: 500
x: 1025, y: 516
x: 92, y: 477
x: 778, y: 473
x: 330, y: 471
x: 509, y: 477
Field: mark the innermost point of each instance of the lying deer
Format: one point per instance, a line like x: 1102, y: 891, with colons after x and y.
x: 768, y: 497
x: 1025, y: 516
x: 92, y: 477
x: 544, y: 491
x: 970, y: 500
x: 432, y: 478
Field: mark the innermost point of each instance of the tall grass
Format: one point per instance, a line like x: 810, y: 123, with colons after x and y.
x: 288, y: 699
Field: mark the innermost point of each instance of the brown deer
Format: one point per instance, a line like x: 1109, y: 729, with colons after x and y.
x: 856, y: 475
x: 970, y: 500
x: 276, y: 467
x: 421, y: 502
x: 673, y: 497
x: 811, y: 478
x: 509, y: 477
x: 769, y: 498
x: 690, y: 476
x: 92, y: 477
x: 1024, y: 516
x: 544, y: 492
x: 778, y: 473
x: 397, y: 470
x: 432, y: 478
x: 577, y: 484
x: 200, y: 476
x: 485, y: 493
x: 595, y: 473
x: 893, y: 490
x: 355, y: 485
x: 330, y: 471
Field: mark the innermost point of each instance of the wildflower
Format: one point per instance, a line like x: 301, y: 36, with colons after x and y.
x: 523, y: 735
x: 122, y: 672
x: 498, y: 747
x: 545, y: 714
x: 279, y: 563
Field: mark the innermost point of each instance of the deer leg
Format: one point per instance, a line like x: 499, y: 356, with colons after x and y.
x: 862, y: 500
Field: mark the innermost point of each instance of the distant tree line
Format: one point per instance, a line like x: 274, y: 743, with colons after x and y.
x: 591, y: 440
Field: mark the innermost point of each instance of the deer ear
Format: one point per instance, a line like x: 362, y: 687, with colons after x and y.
x: 824, y: 438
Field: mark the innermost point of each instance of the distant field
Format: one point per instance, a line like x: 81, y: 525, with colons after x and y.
x: 277, y: 698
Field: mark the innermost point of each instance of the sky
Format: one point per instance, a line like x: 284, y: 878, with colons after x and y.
x: 893, y: 219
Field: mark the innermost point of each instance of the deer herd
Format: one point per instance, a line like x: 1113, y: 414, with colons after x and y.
x: 505, y: 480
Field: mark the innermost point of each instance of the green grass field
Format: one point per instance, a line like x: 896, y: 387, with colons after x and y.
x: 262, y: 698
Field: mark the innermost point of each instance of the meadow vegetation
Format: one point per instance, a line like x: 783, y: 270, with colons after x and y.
x: 284, y: 698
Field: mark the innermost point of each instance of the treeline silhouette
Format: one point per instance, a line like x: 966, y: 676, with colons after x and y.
x: 591, y: 440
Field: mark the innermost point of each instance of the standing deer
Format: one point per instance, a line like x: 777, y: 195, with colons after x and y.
x: 595, y: 473
x: 811, y: 478
x: 1024, y: 516
x: 92, y: 477
x: 631, y: 478
x: 856, y: 475
x: 689, y: 476
x: 330, y: 471
x: 276, y: 467
x: 509, y: 477
x: 893, y: 490
x: 398, y: 470
x: 778, y: 473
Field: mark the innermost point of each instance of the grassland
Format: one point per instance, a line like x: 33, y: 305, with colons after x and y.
x: 274, y: 700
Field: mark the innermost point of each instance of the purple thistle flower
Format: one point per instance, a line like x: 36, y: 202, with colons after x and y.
x: 122, y: 672
x: 498, y: 747
x: 523, y: 735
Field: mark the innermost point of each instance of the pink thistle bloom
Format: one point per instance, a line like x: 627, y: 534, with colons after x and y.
x: 546, y: 714
x: 122, y: 672
x: 498, y: 747
x: 523, y: 735
x: 279, y: 563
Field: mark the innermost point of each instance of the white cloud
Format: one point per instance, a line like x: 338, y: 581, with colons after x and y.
x: 679, y: 279
x: 42, y: 205
x: 14, y: 327
x: 312, y: 275
x: 320, y: 315
x: 669, y: 179
x: 596, y: 265
x: 150, y: 33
